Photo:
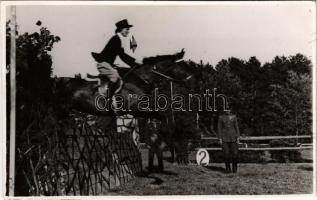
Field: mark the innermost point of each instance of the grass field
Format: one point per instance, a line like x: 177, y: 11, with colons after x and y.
x: 273, y: 178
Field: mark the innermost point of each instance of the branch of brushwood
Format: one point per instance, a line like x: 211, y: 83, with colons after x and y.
x: 39, y: 160
x: 27, y: 179
x: 34, y: 177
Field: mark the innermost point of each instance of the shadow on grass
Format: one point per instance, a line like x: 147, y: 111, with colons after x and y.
x: 215, y: 168
x: 157, y: 181
x: 167, y: 173
x: 145, y: 174
x: 307, y: 168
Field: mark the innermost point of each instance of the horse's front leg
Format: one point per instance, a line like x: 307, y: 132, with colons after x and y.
x: 89, y: 100
x: 159, y: 154
x: 172, y: 150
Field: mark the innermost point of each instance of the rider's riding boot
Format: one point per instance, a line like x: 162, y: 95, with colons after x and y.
x: 103, y: 79
x: 108, y: 87
x: 112, y: 87
x: 104, y: 85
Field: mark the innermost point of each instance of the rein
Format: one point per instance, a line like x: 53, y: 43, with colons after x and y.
x: 172, y: 79
x: 167, y: 77
x: 155, y: 72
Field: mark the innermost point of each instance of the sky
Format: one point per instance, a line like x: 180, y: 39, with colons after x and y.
x: 208, y: 32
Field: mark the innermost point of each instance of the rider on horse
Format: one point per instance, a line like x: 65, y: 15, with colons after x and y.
x: 105, y: 59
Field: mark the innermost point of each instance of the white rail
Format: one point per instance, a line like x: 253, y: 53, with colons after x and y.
x: 264, y: 137
x: 261, y: 149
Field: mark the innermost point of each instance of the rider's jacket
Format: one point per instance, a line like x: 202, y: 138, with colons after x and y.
x: 113, y: 49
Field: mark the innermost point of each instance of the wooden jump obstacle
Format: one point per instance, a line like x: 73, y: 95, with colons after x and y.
x: 87, y: 156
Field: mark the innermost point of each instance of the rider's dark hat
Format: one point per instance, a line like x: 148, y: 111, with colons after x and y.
x: 123, y: 24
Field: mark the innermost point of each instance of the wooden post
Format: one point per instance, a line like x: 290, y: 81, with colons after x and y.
x: 173, y: 119
x: 197, y: 120
x: 12, y: 101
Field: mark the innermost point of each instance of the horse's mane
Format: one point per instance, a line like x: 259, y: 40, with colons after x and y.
x: 160, y: 58
x: 189, y: 67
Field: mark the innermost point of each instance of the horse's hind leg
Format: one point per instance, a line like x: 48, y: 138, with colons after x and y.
x: 151, y: 159
x: 159, y: 154
x: 84, y: 100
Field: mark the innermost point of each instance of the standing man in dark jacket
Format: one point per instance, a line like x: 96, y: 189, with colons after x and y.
x: 229, y: 134
x: 105, y: 59
x: 155, y: 143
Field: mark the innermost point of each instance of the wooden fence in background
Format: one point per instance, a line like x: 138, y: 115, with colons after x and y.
x: 265, y: 147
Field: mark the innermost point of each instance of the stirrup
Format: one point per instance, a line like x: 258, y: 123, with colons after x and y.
x: 94, y: 78
x: 98, y: 78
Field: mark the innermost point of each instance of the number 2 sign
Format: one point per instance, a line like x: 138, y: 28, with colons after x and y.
x: 202, y: 157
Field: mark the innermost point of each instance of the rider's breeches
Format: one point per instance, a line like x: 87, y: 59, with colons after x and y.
x: 106, y: 69
x: 112, y: 74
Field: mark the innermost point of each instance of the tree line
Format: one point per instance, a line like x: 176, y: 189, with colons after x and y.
x: 274, y: 98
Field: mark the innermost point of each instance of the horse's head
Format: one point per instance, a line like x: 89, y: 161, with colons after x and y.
x: 169, y: 67
x: 184, y: 73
